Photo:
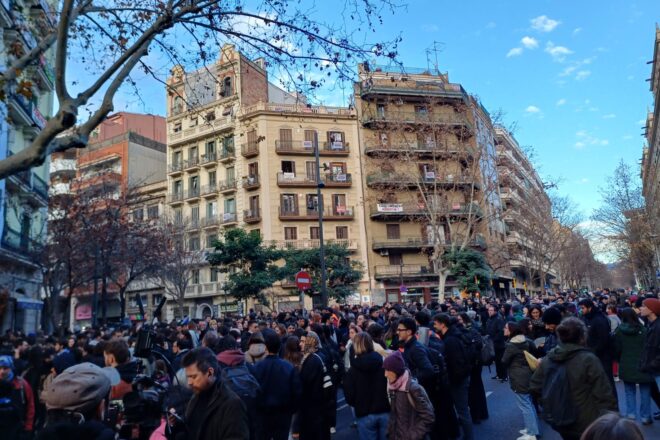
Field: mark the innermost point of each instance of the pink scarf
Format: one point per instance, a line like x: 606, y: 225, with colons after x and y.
x: 400, y: 383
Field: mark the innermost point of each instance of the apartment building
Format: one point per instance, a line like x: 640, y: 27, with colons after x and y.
x: 522, y: 192
x: 126, y: 153
x: 651, y: 154
x: 428, y: 172
x: 23, y: 196
x: 241, y: 154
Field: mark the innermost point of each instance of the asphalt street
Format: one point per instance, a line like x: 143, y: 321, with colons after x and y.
x: 505, y: 418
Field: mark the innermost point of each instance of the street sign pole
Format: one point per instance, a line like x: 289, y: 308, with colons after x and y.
x: 319, y: 197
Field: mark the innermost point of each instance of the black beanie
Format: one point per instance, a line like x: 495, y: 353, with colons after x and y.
x: 551, y: 316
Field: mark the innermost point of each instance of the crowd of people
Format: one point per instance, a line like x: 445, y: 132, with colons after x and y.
x: 408, y: 371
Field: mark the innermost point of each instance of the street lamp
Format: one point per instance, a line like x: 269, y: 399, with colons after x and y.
x: 319, y: 197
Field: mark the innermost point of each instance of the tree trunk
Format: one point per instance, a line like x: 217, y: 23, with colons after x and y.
x: 122, y: 304
x: 104, y: 288
x: 442, y: 280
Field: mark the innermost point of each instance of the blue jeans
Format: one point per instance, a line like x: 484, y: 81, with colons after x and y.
x: 373, y: 426
x: 526, y: 405
x: 459, y: 394
x: 644, y: 400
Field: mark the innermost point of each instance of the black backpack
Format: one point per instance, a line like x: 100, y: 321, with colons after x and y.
x: 12, y: 408
x: 558, y: 408
x: 487, y: 354
x: 471, y: 347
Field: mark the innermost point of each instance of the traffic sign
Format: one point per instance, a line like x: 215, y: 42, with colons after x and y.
x: 403, y: 289
x: 303, y: 280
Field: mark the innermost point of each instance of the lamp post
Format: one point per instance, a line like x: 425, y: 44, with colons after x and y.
x: 319, y: 197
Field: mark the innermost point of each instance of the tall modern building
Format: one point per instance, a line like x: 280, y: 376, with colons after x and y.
x: 651, y: 155
x: 429, y: 175
x: 23, y: 196
x: 241, y: 153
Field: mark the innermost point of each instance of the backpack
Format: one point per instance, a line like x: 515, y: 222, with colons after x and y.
x: 558, y: 408
x: 12, y: 407
x: 435, y: 348
x: 239, y: 379
x: 471, y: 348
x: 487, y: 354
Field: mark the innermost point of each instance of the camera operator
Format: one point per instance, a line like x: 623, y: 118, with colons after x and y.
x: 118, y: 356
x: 76, y: 404
x: 215, y: 412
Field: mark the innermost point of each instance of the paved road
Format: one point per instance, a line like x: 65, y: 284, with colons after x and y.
x: 505, y: 418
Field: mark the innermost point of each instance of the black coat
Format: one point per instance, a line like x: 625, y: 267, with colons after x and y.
x: 224, y: 418
x: 458, y: 366
x: 418, y: 362
x: 598, y: 334
x: 365, y: 385
x: 495, y: 329
x: 649, y: 362
x: 314, y: 420
x: 280, y: 385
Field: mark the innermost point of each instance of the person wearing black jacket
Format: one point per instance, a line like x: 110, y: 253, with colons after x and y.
x: 365, y: 389
x: 459, y: 368
x: 598, y: 336
x: 316, y: 406
x: 477, y: 393
x: 279, y: 394
x: 495, y: 329
x: 415, y: 354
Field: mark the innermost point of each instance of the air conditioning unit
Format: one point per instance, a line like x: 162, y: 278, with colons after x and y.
x: 384, y: 253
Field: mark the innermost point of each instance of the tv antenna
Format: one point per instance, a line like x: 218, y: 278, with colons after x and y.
x: 432, y: 52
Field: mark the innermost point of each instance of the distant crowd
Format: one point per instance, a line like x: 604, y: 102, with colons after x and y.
x: 408, y: 371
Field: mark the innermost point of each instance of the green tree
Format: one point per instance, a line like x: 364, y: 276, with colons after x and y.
x: 249, y: 265
x: 469, y: 268
x: 343, y: 274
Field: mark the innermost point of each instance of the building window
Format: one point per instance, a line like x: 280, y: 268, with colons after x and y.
x: 152, y: 212
x: 177, y: 105
x: 312, y: 202
x: 193, y: 243
x: 138, y: 215
x: 228, y: 145
x: 214, y: 275
x: 395, y: 259
x: 230, y: 206
x: 177, y: 127
x: 156, y: 299
x: 342, y: 232
x: 193, y: 121
x: 286, y: 138
x: 210, y: 239
x: 290, y: 233
x: 310, y: 136
x: 227, y: 89
x: 289, y: 203
x: 314, y: 233
x: 336, y: 140
x: 178, y: 216
x: 210, y: 116
x: 213, y: 179
x: 288, y: 168
x: 393, y: 231
x: 194, y: 278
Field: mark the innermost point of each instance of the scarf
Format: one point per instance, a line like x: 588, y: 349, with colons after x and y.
x: 400, y: 383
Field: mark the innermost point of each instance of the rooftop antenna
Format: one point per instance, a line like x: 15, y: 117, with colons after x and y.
x: 434, y: 49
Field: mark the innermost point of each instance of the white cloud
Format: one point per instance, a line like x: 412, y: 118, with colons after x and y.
x: 529, y: 42
x: 585, y: 139
x: 430, y: 28
x: 641, y: 122
x: 491, y: 25
x: 609, y: 116
x: 561, y: 102
x: 568, y: 71
x: 558, y: 53
x: 582, y: 74
x: 627, y: 137
x: 544, y: 24
x: 630, y: 77
x: 579, y: 145
x: 516, y: 51
x: 532, y: 109
x: 577, y: 30
x: 584, y: 180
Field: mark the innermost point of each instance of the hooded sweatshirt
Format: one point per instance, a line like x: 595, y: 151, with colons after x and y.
x: 231, y: 358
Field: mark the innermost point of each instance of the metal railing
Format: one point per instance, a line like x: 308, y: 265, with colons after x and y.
x: 251, y: 215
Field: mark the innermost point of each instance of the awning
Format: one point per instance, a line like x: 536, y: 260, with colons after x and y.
x: 24, y: 302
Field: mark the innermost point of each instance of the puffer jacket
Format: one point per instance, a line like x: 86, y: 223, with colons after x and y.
x: 628, y: 347
x: 408, y: 422
x: 591, y: 392
x: 516, y: 364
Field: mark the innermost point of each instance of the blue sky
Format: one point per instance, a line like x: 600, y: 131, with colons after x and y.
x: 572, y: 74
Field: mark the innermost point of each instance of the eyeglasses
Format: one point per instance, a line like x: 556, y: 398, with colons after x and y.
x: 401, y: 329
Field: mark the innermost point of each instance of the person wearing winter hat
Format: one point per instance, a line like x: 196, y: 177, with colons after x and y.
x: 412, y: 414
x: 551, y: 318
x: 15, y: 396
x: 649, y: 362
x: 76, y: 403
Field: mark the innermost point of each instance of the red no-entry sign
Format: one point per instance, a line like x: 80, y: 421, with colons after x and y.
x: 303, y: 280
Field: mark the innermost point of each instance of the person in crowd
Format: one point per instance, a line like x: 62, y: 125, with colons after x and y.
x: 175, y: 402
x: 365, y: 389
x: 495, y: 329
x: 551, y: 318
x: 17, y: 408
x: 215, y: 412
x: 180, y: 347
x: 252, y: 328
x: 414, y: 353
x: 649, y: 362
x: 598, y: 335
x: 590, y: 391
x: 477, y: 393
x: 520, y: 374
x: 411, y: 417
x: 628, y: 345
x: 612, y: 427
x: 459, y: 367
x: 292, y: 352
x: 256, y: 349
x: 612, y: 315
x: 349, y: 351
x: 317, y: 403
x: 538, y: 326
x: 279, y: 394
x: 118, y: 356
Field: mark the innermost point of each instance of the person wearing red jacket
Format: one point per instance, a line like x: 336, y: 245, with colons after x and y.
x: 16, y: 402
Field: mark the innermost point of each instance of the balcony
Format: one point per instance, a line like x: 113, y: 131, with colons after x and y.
x: 251, y: 182
x: 350, y: 244
x: 210, y: 221
x: 428, y: 149
x: 226, y: 155
x: 20, y: 110
x: 227, y: 186
x: 403, y: 243
x: 287, y: 180
x: 229, y: 219
x: 337, y: 180
x: 191, y: 164
x: 193, y: 224
x: 511, y: 195
x: 389, y: 211
x: 5, y: 13
x: 296, y: 148
x: 19, y: 243
x: 296, y: 109
x: 175, y: 168
x: 192, y: 193
x: 175, y: 197
x: 415, y: 118
x: 62, y: 167
x: 209, y: 159
x: 252, y: 215
x: 210, y: 190
x: 250, y: 149
x: 413, y: 181
x: 40, y: 186
x: 438, y: 89
x: 403, y: 271
x: 329, y: 213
